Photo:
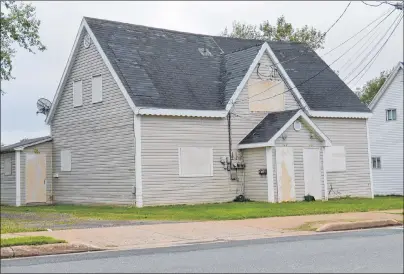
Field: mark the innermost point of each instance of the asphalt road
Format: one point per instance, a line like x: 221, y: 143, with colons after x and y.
x: 377, y: 250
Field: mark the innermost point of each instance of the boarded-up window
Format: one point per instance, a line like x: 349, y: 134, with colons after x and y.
x: 97, y: 89
x: 77, y: 93
x: 266, y: 95
x: 65, y: 160
x: 7, y: 166
x: 335, y: 157
x: 195, y: 161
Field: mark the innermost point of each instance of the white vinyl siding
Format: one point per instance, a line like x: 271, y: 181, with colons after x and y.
x: 352, y: 134
x: 256, y: 185
x: 8, y: 182
x: 77, y: 93
x: 97, y: 89
x: 65, y: 160
x: 100, y: 137
x: 386, y: 139
x: 195, y: 161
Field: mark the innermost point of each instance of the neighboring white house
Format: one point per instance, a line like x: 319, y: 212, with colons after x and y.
x: 386, y: 135
x: 149, y: 116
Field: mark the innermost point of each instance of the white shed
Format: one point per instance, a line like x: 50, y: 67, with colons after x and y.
x: 26, y: 172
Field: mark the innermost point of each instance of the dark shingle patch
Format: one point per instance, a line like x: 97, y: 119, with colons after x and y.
x: 24, y: 142
x: 268, y: 127
x: 165, y: 69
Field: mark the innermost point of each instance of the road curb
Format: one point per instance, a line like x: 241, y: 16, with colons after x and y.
x: 357, y: 225
x: 48, y: 249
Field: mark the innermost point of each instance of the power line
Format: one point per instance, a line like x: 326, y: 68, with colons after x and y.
x: 377, y: 54
x: 365, y: 46
x: 388, y: 14
x: 373, y: 58
x: 305, y: 81
x: 372, y: 5
x: 322, y: 36
x: 367, y: 55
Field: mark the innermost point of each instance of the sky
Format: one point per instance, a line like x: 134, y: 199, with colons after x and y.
x: 38, y: 75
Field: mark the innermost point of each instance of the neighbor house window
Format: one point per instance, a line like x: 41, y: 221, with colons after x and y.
x: 376, y: 163
x: 97, y: 89
x: 65, y: 160
x: 195, y: 161
x: 391, y: 114
x: 77, y: 93
x: 7, y: 166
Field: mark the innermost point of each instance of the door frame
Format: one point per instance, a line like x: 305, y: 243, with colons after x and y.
x: 293, y: 183
x: 306, y: 186
x: 26, y: 178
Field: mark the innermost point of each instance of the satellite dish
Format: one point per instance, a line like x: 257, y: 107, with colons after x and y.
x: 43, y: 106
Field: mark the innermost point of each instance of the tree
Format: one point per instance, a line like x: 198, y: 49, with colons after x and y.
x: 370, y: 89
x: 283, y: 31
x: 20, y: 26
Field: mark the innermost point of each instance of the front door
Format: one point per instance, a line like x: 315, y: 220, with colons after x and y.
x: 312, y: 172
x: 35, y: 178
x: 285, y: 171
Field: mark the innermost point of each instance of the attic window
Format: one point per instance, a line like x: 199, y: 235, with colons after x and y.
x: 204, y: 52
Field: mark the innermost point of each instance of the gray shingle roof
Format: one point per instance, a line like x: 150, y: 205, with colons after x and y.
x: 164, y: 69
x: 26, y: 143
x: 268, y: 127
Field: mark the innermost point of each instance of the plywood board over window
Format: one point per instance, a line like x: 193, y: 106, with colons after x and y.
x: 195, y: 161
x: 266, y: 95
x: 7, y: 166
x: 335, y: 157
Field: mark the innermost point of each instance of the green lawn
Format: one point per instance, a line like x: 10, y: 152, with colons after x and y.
x: 37, y: 240
x: 223, y: 211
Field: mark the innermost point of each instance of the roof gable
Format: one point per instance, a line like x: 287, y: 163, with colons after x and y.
x: 273, y: 125
x: 389, y: 80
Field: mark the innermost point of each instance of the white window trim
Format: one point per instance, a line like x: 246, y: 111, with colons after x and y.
x: 92, y: 89
x: 74, y: 93
x: 194, y: 175
x: 62, y: 165
x: 391, y: 110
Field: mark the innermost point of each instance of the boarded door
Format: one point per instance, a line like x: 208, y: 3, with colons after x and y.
x: 285, y: 174
x: 312, y: 172
x: 35, y: 178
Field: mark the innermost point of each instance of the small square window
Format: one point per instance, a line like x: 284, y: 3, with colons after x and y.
x: 391, y: 114
x: 376, y: 163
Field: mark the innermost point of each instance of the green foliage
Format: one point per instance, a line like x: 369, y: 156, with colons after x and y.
x: 18, y: 26
x: 283, y: 31
x: 371, y: 87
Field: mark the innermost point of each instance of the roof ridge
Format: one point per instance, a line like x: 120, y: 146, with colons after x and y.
x: 185, y: 32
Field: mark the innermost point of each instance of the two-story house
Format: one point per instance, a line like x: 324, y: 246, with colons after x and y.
x: 149, y: 116
x: 386, y: 135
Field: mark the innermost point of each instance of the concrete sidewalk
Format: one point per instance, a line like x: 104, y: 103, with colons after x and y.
x: 173, y: 234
